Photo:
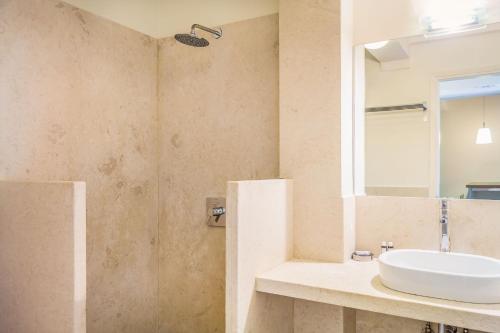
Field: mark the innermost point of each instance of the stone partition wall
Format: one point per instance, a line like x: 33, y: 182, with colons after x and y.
x: 218, y: 122
x: 78, y: 102
x: 42, y: 257
x: 259, y: 237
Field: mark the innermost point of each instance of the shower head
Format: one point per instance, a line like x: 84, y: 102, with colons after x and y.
x: 193, y: 40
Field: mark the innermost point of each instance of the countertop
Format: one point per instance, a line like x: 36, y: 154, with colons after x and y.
x: 357, y: 285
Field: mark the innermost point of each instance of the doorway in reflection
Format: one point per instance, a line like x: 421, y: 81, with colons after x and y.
x: 469, y: 137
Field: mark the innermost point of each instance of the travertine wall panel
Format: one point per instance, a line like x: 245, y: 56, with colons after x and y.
x: 414, y: 223
x: 410, y: 223
x: 311, y: 104
x: 313, y: 317
x: 257, y: 242
x: 218, y: 122
x: 42, y: 257
x: 78, y: 102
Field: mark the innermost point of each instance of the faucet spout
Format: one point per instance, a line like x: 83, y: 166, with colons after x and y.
x: 445, y: 243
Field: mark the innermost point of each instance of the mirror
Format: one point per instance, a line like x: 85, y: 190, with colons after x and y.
x: 432, y: 116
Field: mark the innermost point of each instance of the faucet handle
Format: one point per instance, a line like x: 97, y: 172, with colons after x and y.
x: 444, y: 204
x: 383, y: 247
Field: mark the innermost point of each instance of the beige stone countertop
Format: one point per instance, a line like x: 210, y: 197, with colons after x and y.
x: 357, y: 285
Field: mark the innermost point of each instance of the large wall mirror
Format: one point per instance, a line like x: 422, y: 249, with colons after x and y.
x: 432, y: 115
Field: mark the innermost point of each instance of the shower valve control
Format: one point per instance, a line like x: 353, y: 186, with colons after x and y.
x: 216, y: 212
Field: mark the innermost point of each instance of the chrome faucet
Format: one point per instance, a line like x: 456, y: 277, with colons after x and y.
x: 443, y: 221
x: 444, y: 246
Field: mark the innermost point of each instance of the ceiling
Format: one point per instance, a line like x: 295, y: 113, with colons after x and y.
x: 393, y: 56
x: 474, y: 86
x: 163, y: 18
x: 396, y: 55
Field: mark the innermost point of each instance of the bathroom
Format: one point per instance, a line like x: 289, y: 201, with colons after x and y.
x: 148, y: 185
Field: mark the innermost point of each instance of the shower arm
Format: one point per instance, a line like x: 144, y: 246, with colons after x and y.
x: 217, y: 34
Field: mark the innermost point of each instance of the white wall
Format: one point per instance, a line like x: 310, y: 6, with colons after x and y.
x: 406, y: 137
x: 397, y: 149
x: 462, y: 161
x: 474, y: 53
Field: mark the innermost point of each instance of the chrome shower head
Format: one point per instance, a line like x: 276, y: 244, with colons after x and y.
x: 193, y: 40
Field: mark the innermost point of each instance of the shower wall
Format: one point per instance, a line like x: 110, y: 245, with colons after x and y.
x: 78, y: 102
x: 218, y: 122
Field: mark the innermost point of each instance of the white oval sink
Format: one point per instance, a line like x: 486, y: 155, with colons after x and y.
x: 452, y: 276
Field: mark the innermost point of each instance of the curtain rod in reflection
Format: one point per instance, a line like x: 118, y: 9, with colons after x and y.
x: 417, y: 106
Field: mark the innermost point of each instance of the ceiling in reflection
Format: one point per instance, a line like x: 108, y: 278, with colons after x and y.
x: 475, y: 86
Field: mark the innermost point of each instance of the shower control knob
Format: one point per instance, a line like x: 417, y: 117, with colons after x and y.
x: 216, y: 212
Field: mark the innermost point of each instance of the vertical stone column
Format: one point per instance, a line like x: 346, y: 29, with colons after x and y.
x: 316, y: 124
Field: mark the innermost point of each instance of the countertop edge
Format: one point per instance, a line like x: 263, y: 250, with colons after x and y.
x: 408, y: 308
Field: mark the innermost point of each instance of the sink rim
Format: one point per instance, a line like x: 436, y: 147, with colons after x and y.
x: 383, y: 259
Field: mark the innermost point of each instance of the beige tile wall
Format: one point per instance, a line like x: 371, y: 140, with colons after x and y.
x: 414, y: 223
x: 42, y: 257
x: 255, y: 244
x: 313, y: 317
x: 408, y: 222
x: 475, y: 227
x: 78, y: 102
x: 370, y: 322
x: 218, y: 122
x: 310, y: 117
x: 78, y: 96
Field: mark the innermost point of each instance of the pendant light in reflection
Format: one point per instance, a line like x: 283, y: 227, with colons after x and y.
x: 483, y: 136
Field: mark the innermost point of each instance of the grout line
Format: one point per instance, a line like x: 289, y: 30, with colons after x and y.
x: 158, y: 184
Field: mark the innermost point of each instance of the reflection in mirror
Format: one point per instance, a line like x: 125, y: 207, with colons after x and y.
x: 432, y: 116
x: 470, y: 118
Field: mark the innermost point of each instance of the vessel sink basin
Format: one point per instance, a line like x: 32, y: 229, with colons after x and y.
x: 451, y: 276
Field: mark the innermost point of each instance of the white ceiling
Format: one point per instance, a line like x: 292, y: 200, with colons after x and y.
x: 474, y: 86
x: 163, y: 18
